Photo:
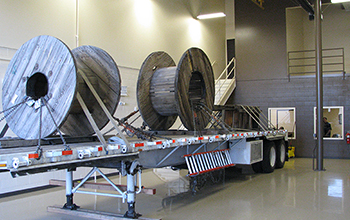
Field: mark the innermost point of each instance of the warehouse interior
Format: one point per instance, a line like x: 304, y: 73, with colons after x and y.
x: 265, y: 38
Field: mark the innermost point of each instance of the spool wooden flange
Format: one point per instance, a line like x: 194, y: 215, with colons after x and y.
x: 45, y: 56
x: 51, y: 60
x: 165, y: 91
x: 194, y: 74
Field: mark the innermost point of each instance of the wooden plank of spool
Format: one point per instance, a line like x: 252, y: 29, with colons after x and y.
x: 151, y: 117
x: 52, y: 60
x: 162, y: 91
x: 103, y: 73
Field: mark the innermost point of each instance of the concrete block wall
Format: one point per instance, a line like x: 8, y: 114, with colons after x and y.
x: 301, y: 94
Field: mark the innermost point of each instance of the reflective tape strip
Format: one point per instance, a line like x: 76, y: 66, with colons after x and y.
x: 139, y: 144
x: 3, y: 164
x: 182, y: 140
x: 33, y: 156
x: 154, y: 143
x: 113, y: 147
x: 67, y: 152
x: 53, y: 153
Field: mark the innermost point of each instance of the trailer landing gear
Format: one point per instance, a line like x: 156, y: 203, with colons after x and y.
x: 132, y: 168
x: 69, y: 194
x: 70, y: 205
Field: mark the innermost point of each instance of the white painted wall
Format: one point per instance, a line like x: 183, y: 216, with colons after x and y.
x: 129, y: 30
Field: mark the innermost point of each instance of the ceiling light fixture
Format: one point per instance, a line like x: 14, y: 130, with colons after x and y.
x: 212, y: 15
x: 339, y: 1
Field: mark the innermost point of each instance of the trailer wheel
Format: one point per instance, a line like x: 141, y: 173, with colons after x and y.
x: 280, y: 154
x: 269, y: 157
x: 257, y: 167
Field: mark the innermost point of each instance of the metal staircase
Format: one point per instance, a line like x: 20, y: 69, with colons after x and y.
x: 225, y: 84
x: 199, y: 163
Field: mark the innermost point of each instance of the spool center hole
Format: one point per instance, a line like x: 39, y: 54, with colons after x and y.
x: 196, y: 89
x: 37, y: 86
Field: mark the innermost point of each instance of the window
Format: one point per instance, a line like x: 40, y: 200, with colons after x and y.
x: 334, y: 116
x: 283, y: 118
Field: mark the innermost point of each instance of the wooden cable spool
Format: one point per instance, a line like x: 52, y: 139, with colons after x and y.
x: 165, y: 91
x: 44, y: 67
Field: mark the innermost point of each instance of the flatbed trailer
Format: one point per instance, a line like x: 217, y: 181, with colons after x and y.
x: 76, y: 107
x: 27, y: 159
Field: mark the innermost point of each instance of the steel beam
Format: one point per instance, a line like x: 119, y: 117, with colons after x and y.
x: 319, y: 84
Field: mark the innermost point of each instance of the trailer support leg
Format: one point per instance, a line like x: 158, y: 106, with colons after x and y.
x: 131, y: 193
x: 69, y: 194
x: 131, y: 213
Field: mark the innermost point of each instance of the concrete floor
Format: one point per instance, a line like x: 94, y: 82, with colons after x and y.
x: 294, y: 192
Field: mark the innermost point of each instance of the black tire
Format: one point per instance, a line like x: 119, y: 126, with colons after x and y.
x: 257, y: 167
x: 280, y: 154
x: 269, y: 157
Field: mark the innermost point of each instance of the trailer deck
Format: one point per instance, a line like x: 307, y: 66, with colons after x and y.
x: 27, y: 159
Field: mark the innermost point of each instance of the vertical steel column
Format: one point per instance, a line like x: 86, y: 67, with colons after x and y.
x: 69, y: 193
x: 319, y: 84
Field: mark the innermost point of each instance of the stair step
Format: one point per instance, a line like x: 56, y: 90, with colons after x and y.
x: 223, y: 89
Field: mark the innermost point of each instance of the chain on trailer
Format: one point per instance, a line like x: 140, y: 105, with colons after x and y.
x: 10, y: 109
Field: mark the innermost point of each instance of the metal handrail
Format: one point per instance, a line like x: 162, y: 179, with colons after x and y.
x: 300, y: 56
x: 227, y: 74
x: 234, y: 66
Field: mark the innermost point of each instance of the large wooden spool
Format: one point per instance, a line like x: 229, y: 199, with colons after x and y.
x: 165, y: 91
x: 44, y: 67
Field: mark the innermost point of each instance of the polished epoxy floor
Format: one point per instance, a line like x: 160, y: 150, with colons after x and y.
x: 294, y: 192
